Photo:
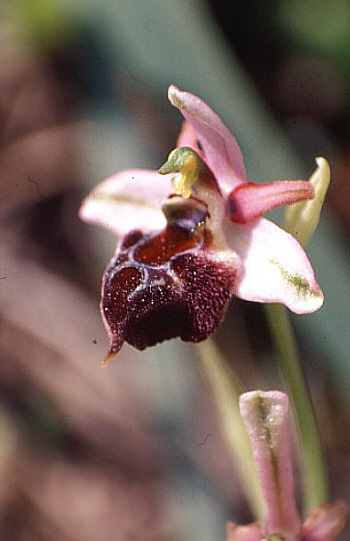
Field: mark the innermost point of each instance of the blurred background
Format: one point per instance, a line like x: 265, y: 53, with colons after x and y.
x: 135, y: 451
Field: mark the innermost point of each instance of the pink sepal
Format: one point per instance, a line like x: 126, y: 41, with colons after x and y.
x: 219, y: 147
x: 275, y: 266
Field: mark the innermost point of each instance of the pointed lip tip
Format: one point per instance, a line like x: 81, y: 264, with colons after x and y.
x: 109, y: 357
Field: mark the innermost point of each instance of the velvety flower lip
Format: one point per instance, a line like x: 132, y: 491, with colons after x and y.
x: 166, y: 285
x: 207, y: 170
x: 266, y: 416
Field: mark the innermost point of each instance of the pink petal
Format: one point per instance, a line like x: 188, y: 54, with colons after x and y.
x: 220, y: 148
x: 251, y: 532
x: 266, y: 416
x: 249, y: 200
x: 188, y: 137
x: 325, y: 522
x: 128, y: 200
x: 275, y: 267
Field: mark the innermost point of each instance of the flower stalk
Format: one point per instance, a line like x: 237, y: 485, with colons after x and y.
x: 226, y: 390
x: 315, y: 480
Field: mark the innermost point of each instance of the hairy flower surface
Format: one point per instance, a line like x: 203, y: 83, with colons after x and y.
x: 192, y: 235
x: 266, y: 416
x: 165, y: 285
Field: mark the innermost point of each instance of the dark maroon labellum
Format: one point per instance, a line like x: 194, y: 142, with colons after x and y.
x: 164, y: 286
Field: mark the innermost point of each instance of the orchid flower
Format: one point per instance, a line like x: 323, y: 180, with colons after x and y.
x: 192, y: 235
x: 266, y: 416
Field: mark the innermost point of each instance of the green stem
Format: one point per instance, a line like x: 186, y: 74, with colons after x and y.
x: 226, y: 391
x: 314, y: 476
